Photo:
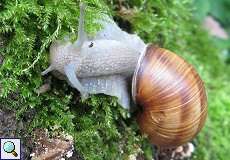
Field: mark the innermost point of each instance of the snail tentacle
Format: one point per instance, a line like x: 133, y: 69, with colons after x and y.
x: 71, y: 75
x: 82, y: 36
x: 49, y: 69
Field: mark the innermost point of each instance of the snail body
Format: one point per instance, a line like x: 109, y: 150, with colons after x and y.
x: 95, y: 58
x: 167, y: 90
x: 98, y: 65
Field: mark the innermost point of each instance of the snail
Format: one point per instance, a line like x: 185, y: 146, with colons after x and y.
x: 167, y: 90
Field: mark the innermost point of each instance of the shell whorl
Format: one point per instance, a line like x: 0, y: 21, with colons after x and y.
x: 171, y: 95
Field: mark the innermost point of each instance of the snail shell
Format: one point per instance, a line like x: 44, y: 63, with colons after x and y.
x: 171, y: 95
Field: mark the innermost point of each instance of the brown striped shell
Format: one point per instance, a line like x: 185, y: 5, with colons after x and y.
x: 171, y: 95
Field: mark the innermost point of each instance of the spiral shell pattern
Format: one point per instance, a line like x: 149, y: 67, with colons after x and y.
x: 171, y: 97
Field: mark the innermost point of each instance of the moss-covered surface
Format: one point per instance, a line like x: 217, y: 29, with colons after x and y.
x: 101, y: 128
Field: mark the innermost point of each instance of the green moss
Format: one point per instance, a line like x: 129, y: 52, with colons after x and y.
x: 101, y: 128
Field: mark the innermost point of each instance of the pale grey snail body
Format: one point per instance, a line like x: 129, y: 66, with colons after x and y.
x: 99, y: 65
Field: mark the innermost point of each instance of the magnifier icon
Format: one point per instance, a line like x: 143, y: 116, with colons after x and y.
x: 9, y: 147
